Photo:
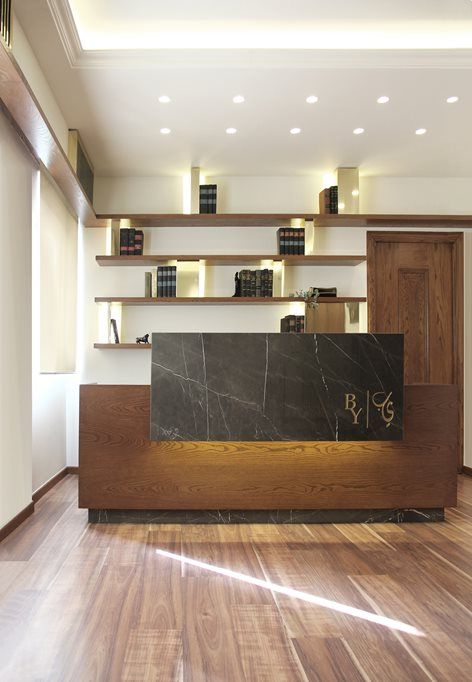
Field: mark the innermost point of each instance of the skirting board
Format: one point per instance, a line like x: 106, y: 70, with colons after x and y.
x: 37, y: 495
x: 467, y: 471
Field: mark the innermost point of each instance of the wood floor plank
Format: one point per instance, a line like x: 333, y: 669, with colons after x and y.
x: 82, y: 602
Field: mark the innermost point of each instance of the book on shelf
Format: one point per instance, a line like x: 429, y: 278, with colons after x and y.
x: 291, y: 241
x: 329, y: 200
x: 163, y: 281
x: 207, y: 198
x: 256, y: 283
x: 131, y: 242
x: 148, y: 284
x: 294, y: 324
x: 115, y: 330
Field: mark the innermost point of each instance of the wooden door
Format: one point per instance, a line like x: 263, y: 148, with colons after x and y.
x: 415, y: 286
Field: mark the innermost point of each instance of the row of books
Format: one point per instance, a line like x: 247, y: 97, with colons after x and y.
x: 291, y: 240
x: 255, y: 283
x: 131, y: 242
x: 293, y: 323
x: 329, y: 200
x: 207, y: 198
x: 161, y: 282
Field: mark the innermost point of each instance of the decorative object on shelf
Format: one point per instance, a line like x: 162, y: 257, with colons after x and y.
x: 291, y: 241
x: 142, y: 339
x: 237, y: 285
x: 115, y: 330
x: 330, y: 291
x: 310, y: 296
x: 147, y: 284
x: 329, y: 200
x: 207, y: 198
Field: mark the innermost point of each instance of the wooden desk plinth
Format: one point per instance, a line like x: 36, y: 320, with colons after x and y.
x: 120, y: 468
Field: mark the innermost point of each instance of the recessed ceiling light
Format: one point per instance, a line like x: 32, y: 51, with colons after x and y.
x: 358, y: 131
x: 165, y: 131
x: 164, y: 99
x: 311, y: 99
x: 231, y: 131
x: 420, y: 131
x: 452, y: 100
x: 383, y: 100
x: 295, y: 131
x: 238, y: 99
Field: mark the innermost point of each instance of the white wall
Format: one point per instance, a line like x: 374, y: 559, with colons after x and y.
x: 416, y: 195
x: 16, y: 177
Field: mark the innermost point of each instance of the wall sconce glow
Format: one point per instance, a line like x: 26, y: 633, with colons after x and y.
x: 238, y: 99
x: 341, y: 206
x: 329, y: 180
x: 296, y: 594
x: 164, y: 99
x: 358, y: 131
x: 420, y: 131
x: 165, y: 131
x: 383, y: 100
x: 355, y: 192
x: 311, y: 99
x: 295, y: 131
x: 452, y: 100
x: 231, y: 131
x: 186, y: 193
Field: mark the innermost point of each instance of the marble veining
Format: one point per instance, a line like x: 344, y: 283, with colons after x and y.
x: 286, y: 516
x: 272, y: 387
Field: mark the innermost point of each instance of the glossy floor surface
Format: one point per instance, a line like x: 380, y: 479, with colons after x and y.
x: 121, y: 602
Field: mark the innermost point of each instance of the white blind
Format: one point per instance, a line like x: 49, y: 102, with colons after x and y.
x: 58, y: 281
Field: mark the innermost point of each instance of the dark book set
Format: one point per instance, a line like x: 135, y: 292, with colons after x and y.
x: 291, y: 241
x: 254, y: 283
x: 161, y: 282
x: 329, y: 200
x: 293, y: 323
x: 207, y: 198
x: 131, y: 242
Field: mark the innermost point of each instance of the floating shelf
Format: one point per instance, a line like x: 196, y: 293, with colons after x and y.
x: 231, y: 260
x: 283, y: 219
x: 218, y: 300
x: 123, y: 346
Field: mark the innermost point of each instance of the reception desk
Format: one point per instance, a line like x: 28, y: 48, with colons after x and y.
x: 124, y: 475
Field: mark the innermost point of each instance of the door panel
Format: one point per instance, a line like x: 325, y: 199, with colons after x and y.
x: 415, y: 286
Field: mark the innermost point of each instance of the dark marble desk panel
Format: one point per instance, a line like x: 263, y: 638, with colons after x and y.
x: 271, y: 387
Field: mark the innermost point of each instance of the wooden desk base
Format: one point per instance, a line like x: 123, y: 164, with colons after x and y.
x: 121, y: 469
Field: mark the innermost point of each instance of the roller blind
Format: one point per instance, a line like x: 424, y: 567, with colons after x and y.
x: 58, y: 281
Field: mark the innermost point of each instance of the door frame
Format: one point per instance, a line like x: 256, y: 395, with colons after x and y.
x: 457, y: 241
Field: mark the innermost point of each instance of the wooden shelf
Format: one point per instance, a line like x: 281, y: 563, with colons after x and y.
x: 231, y: 259
x: 123, y: 346
x: 394, y: 220
x: 141, y: 220
x: 217, y: 300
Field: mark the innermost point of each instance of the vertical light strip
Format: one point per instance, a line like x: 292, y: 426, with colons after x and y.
x: 186, y: 193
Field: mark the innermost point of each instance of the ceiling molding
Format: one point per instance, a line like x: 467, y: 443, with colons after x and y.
x: 250, y: 58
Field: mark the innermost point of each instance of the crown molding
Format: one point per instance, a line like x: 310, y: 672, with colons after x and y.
x: 246, y: 58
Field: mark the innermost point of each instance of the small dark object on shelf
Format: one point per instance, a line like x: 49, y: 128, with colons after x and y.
x: 115, y: 330
x: 142, y: 339
x: 237, y: 285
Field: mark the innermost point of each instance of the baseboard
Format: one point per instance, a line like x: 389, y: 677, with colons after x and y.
x: 467, y: 470
x: 38, y: 494
x: 72, y: 470
x: 16, y: 521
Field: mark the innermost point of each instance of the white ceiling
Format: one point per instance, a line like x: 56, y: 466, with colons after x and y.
x: 111, y: 96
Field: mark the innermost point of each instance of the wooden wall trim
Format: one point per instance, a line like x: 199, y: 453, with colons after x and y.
x: 120, y: 468
x: 16, y: 521
x: 42, y: 490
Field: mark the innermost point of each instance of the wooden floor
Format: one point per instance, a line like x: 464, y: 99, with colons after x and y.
x: 80, y: 602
